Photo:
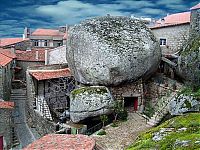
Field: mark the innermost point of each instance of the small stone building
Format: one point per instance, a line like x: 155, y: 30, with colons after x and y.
x: 17, y: 43
x: 172, y: 32
x: 49, y: 38
x: 48, y: 95
x: 25, y: 59
x: 6, y: 124
x: 131, y: 94
x: 7, y: 64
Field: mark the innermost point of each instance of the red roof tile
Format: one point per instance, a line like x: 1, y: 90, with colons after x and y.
x: 10, y: 41
x: 195, y: 7
x: 7, y: 52
x: 47, y: 32
x: 173, y: 19
x: 31, y: 55
x: 62, y: 142
x: 6, y: 104
x: 50, y: 74
x: 4, y: 60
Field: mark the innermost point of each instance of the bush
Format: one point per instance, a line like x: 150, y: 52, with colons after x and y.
x: 123, y: 114
x: 102, y: 132
x: 114, y: 124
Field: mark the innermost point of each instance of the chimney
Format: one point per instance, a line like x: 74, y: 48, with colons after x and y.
x: 26, y: 33
x: 12, y: 49
x: 46, y: 56
x: 162, y: 21
x: 36, y: 54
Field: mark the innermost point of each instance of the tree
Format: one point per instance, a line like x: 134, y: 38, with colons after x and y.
x: 117, y: 109
x: 104, y: 118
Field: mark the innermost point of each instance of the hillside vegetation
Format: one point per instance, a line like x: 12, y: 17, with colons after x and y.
x: 178, y: 133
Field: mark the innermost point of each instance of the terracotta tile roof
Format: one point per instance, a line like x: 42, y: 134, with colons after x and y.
x: 173, y: 19
x: 10, y: 41
x: 47, y: 32
x: 50, y: 74
x: 4, y: 60
x: 6, y: 104
x: 31, y: 55
x: 195, y: 7
x: 62, y: 142
x: 8, y: 53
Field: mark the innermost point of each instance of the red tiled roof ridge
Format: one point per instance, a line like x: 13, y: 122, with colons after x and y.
x: 195, y: 7
x: 47, y: 32
x: 63, y: 69
x: 6, y: 104
x: 173, y: 19
x: 10, y: 41
x: 7, y: 52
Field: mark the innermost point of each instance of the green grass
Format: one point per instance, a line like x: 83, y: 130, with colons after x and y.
x: 102, y: 132
x: 191, y: 121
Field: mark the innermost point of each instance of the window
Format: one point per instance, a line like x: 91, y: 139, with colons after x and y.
x: 45, y: 42
x: 163, y: 41
x: 36, y: 43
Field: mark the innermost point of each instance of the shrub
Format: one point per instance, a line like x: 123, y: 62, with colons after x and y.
x: 123, y: 114
x: 102, y: 132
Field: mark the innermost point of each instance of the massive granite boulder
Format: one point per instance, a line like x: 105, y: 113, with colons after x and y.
x: 111, y: 50
x: 183, y: 103
x: 90, y: 101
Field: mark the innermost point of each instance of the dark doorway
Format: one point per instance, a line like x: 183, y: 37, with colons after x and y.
x: 131, y: 103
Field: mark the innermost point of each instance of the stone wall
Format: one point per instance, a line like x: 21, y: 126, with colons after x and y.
x: 175, y: 37
x: 24, y: 65
x: 6, y: 126
x: 34, y: 118
x: 134, y: 89
x: 6, y: 74
x: 195, y: 23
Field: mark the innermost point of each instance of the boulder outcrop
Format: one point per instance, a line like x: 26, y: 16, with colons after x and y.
x: 182, y: 104
x: 111, y: 50
x: 90, y: 101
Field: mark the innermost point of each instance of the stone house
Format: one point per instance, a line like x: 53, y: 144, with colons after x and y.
x: 172, y: 31
x: 7, y: 64
x: 49, y: 38
x: 16, y: 43
x: 6, y: 124
x: 131, y: 95
x: 25, y: 59
x: 48, y: 90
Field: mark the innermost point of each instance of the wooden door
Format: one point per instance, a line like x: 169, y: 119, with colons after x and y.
x: 1, y: 142
x: 135, y: 104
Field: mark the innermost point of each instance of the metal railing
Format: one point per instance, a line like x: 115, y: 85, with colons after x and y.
x: 93, y: 129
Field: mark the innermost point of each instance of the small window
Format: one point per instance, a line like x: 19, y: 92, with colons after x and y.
x: 36, y: 43
x: 45, y: 42
x: 163, y: 41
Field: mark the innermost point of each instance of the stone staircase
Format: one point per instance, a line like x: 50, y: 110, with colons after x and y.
x: 161, y: 107
x: 23, y: 132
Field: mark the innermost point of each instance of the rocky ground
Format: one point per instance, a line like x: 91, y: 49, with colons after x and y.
x: 118, y: 138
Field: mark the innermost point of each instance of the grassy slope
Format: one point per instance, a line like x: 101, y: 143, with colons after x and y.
x: 191, y: 121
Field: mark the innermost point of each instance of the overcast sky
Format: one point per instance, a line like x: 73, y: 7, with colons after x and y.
x: 17, y: 14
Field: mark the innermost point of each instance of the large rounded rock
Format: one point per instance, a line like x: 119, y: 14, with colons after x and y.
x: 89, y: 102
x: 111, y: 50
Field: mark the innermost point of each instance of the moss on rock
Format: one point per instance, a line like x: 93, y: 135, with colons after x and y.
x: 184, y: 134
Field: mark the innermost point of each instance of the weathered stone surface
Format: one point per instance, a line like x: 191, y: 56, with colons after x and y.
x: 89, y: 101
x: 183, y: 104
x: 111, y: 50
